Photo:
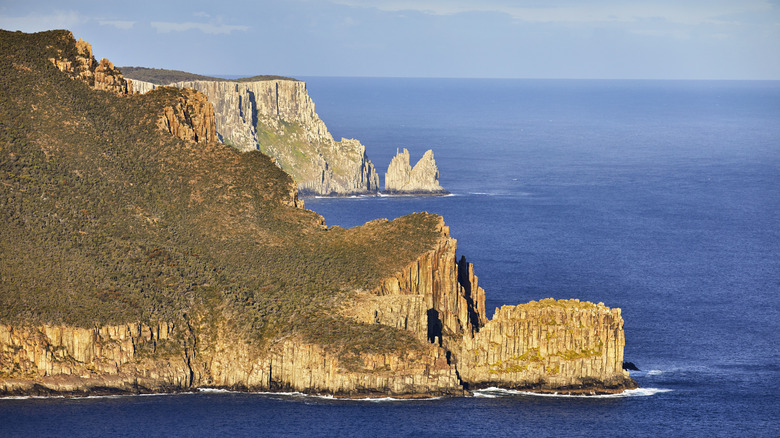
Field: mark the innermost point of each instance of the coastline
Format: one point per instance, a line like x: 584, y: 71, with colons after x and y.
x: 379, y: 195
x: 38, y: 391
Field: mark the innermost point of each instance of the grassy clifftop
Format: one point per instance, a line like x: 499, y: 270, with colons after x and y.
x: 106, y: 219
x: 161, y: 76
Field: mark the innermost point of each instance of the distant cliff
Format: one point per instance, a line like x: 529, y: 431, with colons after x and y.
x: 423, y: 178
x: 277, y: 117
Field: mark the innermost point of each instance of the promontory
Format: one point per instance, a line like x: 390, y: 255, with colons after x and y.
x: 140, y: 254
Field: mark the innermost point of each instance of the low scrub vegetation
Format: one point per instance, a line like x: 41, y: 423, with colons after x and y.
x: 164, y: 77
x: 106, y: 219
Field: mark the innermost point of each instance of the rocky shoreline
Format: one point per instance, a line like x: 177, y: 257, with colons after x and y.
x: 550, y: 346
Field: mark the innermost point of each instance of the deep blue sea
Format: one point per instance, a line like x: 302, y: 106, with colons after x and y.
x: 658, y: 197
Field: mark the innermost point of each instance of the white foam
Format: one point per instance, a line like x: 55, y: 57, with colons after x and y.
x: 31, y: 397
x: 644, y: 392
x: 501, y: 392
x: 89, y: 397
x: 345, y: 399
x: 217, y: 391
x: 654, y: 372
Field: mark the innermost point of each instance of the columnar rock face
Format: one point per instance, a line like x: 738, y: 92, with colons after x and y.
x: 550, y: 345
x: 240, y: 106
x: 167, y: 357
x: 565, y: 345
x: 61, y: 359
x: 189, y: 117
x: 99, y: 75
x: 562, y: 346
x: 401, y: 178
x: 278, y: 118
x: 142, y: 87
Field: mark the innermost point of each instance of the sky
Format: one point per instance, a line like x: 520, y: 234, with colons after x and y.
x: 573, y: 39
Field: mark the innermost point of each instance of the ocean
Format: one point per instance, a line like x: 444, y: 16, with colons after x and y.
x: 658, y: 197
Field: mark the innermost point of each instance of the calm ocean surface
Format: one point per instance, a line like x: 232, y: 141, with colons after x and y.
x: 658, y: 197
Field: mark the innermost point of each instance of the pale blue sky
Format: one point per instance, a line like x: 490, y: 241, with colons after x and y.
x: 645, y: 39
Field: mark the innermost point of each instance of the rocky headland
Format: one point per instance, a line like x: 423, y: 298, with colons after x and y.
x: 564, y: 346
x: 277, y: 117
x: 138, y: 254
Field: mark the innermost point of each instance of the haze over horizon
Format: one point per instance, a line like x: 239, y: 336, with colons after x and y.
x: 607, y: 39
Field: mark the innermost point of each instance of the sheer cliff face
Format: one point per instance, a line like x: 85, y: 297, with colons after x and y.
x: 565, y: 346
x: 402, y: 178
x: 550, y: 345
x: 174, y: 357
x: 189, y: 116
x: 278, y: 118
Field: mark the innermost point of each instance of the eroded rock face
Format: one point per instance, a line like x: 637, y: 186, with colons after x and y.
x: 162, y: 358
x: 190, y: 116
x: 277, y: 117
x: 423, y: 178
x: 99, y: 75
x: 564, y: 346
x: 71, y: 360
x: 550, y: 345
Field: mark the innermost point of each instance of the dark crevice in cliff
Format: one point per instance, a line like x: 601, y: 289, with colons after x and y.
x: 465, y: 282
x: 252, y: 108
x: 189, y: 351
x: 462, y: 382
x: 434, y: 327
x: 278, y: 115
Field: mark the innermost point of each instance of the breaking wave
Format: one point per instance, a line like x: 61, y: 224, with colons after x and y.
x: 500, y: 392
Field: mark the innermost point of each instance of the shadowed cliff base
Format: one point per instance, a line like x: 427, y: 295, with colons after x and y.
x: 139, y: 255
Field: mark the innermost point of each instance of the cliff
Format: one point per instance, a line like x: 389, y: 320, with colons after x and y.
x: 188, y: 115
x: 138, y: 358
x: 134, y: 260
x: 277, y: 117
x: 423, y: 178
x: 550, y: 346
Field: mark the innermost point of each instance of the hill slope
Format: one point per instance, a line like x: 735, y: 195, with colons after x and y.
x: 108, y: 219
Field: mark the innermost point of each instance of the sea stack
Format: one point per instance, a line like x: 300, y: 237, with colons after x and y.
x: 423, y: 179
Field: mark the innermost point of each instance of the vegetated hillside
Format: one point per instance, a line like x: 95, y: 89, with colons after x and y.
x: 161, y: 76
x: 104, y: 218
